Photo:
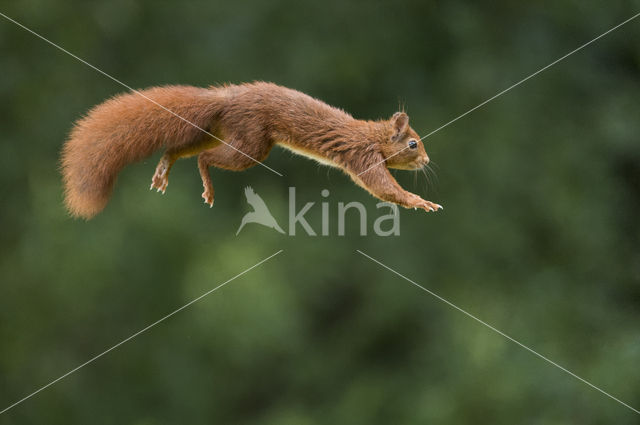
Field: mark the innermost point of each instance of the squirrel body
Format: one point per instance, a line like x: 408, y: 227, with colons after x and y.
x: 251, y: 117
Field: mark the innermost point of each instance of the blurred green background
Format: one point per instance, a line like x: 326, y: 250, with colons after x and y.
x: 539, y: 237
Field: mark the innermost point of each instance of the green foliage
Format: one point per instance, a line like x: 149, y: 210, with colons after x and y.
x: 539, y: 235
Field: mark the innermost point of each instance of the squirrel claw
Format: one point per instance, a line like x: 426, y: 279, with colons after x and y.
x: 208, y: 198
x: 418, y: 202
x: 160, y: 181
x: 432, y: 207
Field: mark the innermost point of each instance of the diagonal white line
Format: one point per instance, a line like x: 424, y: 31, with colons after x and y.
x: 135, y: 91
x: 137, y: 333
x: 531, y: 76
x: 512, y: 86
x: 380, y: 162
x: 449, y: 303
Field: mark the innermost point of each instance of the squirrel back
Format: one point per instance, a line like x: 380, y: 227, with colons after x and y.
x: 125, y: 129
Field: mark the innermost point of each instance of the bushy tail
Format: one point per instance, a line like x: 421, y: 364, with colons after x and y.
x: 88, y: 176
x: 126, y: 129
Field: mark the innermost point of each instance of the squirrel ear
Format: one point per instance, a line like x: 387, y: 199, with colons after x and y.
x: 399, y: 123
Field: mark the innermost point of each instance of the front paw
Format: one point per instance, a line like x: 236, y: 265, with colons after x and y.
x: 417, y: 202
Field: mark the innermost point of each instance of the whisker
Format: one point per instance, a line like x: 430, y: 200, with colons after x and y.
x: 427, y: 180
x: 433, y: 172
x: 437, y: 180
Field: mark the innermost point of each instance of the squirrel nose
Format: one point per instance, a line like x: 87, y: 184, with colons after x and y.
x: 425, y: 159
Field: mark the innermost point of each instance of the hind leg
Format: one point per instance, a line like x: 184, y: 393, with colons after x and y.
x: 208, y: 193
x: 228, y: 159
x: 160, y: 179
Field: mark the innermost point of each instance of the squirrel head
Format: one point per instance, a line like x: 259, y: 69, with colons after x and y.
x: 403, y: 148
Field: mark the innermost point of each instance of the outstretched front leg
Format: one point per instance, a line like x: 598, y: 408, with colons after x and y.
x: 381, y: 184
x: 229, y: 159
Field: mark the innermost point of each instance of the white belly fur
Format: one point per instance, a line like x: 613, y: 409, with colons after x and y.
x: 322, y: 160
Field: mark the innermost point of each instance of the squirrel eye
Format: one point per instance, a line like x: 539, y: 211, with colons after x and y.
x: 413, y: 144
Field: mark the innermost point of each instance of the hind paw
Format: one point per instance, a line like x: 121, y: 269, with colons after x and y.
x: 159, y: 182
x: 160, y: 179
x: 207, y: 195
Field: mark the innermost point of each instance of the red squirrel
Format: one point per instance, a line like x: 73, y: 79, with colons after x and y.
x: 250, y: 117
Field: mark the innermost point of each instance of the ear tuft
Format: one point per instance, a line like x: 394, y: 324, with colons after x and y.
x: 399, y: 123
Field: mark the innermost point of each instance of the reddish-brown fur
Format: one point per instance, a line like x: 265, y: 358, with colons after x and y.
x: 250, y: 117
